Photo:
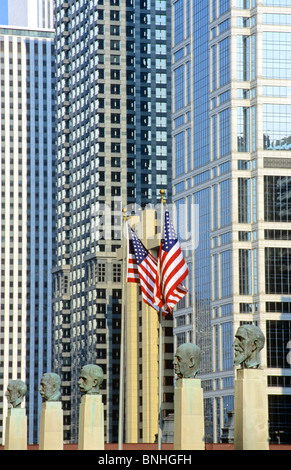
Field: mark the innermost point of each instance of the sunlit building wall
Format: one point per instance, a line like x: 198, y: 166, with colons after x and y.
x: 27, y: 214
x: 33, y: 14
x: 231, y: 158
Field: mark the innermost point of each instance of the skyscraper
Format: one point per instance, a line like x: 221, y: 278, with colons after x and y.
x: 27, y: 215
x: 33, y: 14
x: 113, y: 149
x: 231, y: 146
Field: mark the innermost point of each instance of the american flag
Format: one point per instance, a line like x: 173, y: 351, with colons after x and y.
x: 141, y: 267
x: 171, y: 270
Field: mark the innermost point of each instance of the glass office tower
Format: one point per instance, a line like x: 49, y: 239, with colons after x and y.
x: 31, y: 13
x: 231, y: 157
x: 27, y: 213
x: 113, y: 124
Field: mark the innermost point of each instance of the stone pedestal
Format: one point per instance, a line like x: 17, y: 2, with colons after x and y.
x: 51, y: 426
x: 250, y: 410
x: 91, y: 423
x: 16, y: 429
x: 188, y: 415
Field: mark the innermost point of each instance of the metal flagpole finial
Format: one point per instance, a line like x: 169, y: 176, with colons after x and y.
x: 124, y: 213
x: 162, y: 192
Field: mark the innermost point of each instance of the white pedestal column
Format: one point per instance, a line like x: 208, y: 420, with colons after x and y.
x: 188, y: 415
x: 51, y: 426
x: 91, y: 423
x: 250, y: 410
x: 16, y: 429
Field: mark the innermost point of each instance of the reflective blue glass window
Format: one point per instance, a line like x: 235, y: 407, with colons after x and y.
x: 201, y: 178
x: 277, y: 55
x: 203, y: 277
x: 179, y: 88
x: 245, y: 272
x: 214, y: 67
x: 226, y: 273
x: 243, y: 4
x: 214, y: 8
x: 226, y: 310
x: 277, y: 270
x: 280, y: 91
x: 214, y: 137
x: 243, y: 58
x: 224, y: 61
x: 276, y: 3
x: 189, y: 151
x: 243, y: 22
x: 224, y: 168
x: 200, y: 74
x: 227, y: 349
x: 277, y: 126
x: 224, y: 97
x: 179, y: 21
x: 215, y: 206
x: 216, y: 277
x: 188, y: 97
x: 253, y: 51
x: 254, y: 194
x: 244, y: 200
x: 243, y: 129
x: 224, y: 6
x: 277, y: 203
x: 254, y: 139
x: 225, y: 202
x: 188, y: 18
x: 179, y: 54
x: 179, y: 121
x: 180, y: 153
x: 228, y: 401
x: 255, y: 269
x: 277, y: 18
x: 224, y: 132
x: 224, y: 26
x: 180, y: 187
x: 181, y: 218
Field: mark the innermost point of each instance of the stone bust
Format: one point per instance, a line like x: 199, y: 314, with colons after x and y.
x: 187, y: 360
x: 15, y: 393
x: 50, y: 385
x: 248, y: 342
x: 91, y: 377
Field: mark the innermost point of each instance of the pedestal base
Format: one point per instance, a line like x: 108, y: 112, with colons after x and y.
x: 16, y: 430
x: 91, y: 423
x: 250, y: 410
x: 188, y: 415
x: 51, y: 426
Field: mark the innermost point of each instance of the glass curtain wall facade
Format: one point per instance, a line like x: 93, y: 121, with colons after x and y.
x: 235, y: 165
x: 113, y: 149
x: 27, y: 214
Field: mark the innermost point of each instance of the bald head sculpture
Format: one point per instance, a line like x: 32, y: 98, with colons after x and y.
x: 248, y: 342
x: 15, y: 393
x: 91, y: 377
x: 187, y: 360
x: 50, y: 385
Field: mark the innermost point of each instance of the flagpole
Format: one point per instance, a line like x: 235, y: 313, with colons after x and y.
x: 162, y: 191
x: 121, y: 382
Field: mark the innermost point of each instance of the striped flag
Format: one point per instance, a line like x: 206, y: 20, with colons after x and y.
x: 141, y: 267
x: 171, y: 270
